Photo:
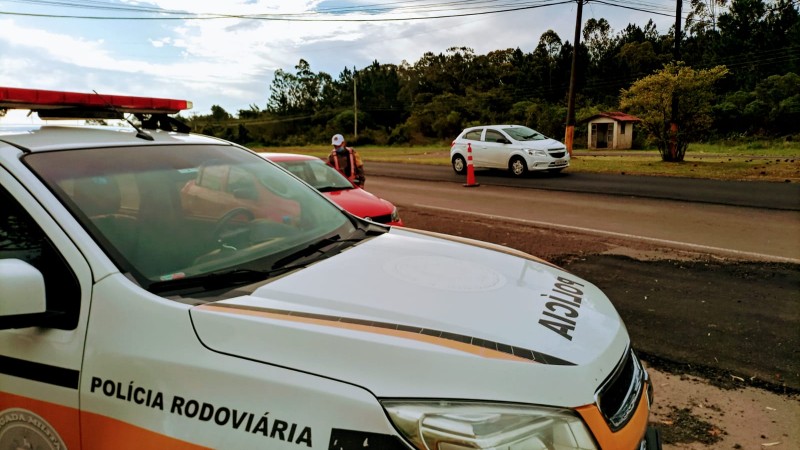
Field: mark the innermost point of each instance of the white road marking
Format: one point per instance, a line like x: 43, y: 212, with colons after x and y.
x: 666, y: 242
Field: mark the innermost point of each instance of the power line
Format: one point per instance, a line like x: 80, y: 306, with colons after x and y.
x: 304, y: 17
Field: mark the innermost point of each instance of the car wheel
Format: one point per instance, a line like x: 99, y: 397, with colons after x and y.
x: 459, y: 164
x: 517, y: 166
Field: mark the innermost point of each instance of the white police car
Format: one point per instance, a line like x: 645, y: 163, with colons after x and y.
x: 130, y: 318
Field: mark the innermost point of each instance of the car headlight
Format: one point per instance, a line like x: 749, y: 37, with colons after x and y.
x: 535, y: 152
x: 444, y: 425
x: 395, y: 215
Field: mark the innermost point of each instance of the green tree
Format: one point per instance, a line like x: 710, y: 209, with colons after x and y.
x: 780, y: 96
x: 638, y: 57
x: 298, y: 93
x: 548, y: 53
x: 598, y: 38
x: 440, y: 116
x: 218, y: 114
x: 378, y: 94
x: 728, y: 113
x: 546, y: 118
x: 280, y: 100
x: 703, y: 15
x: 253, y: 113
x: 743, y: 35
x: 650, y: 99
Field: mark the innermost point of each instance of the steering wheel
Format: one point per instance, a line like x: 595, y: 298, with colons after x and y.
x: 223, y: 231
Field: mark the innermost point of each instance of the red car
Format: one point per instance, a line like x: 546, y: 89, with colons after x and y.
x: 336, y: 187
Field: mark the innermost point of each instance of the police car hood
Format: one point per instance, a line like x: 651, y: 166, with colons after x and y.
x: 412, y: 313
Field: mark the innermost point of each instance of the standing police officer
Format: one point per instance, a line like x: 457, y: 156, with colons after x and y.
x: 346, y: 160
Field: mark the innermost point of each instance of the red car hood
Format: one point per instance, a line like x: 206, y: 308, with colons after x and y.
x: 361, y: 203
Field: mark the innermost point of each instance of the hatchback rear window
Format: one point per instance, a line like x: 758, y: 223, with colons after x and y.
x: 474, y: 135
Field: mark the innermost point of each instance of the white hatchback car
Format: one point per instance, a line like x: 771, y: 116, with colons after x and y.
x: 514, y: 147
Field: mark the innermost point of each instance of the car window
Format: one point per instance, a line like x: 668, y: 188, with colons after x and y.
x: 329, y: 175
x: 22, y: 238
x: 317, y: 173
x: 299, y: 170
x: 162, y: 213
x: 524, y: 134
x: 211, y: 177
x: 495, y: 136
x: 474, y: 135
x: 238, y: 179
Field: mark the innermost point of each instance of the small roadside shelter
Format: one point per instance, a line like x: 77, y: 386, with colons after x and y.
x: 611, y: 130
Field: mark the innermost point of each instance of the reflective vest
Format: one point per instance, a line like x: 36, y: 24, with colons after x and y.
x: 351, y: 166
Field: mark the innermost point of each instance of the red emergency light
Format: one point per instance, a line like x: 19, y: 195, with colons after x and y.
x: 42, y: 100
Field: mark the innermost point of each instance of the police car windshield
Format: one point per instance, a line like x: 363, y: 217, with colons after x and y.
x: 175, y: 211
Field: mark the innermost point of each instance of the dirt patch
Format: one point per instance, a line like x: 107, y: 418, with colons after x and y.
x: 691, y: 414
x: 681, y: 426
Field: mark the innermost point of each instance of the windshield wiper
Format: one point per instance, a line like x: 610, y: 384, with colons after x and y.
x: 320, y: 246
x: 334, y: 188
x: 211, y: 281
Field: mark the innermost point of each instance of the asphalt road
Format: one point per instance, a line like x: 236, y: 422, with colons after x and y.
x: 757, y: 234
x: 756, y: 194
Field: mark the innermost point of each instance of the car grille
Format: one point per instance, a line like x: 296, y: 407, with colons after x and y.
x: 386, y: 218
x: 557, y: 154
x: 620, y: 393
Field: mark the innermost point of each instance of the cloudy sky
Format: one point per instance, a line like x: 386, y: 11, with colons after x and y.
x: 225, y: 52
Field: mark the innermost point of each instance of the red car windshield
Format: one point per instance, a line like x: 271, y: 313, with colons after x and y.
x: 317, y: 173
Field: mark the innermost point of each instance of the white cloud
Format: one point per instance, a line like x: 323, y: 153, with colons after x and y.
x: 158, y: 43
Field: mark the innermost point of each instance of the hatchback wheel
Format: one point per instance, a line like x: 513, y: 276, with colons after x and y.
x: 517, y: 166
x: 459, y: 164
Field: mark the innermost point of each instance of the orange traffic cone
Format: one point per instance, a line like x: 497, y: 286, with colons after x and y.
x: 470, y: 169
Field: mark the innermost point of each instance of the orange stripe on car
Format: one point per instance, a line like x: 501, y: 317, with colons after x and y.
x: 627, y: 438
x: 105, y: 432
x: 333, y: 322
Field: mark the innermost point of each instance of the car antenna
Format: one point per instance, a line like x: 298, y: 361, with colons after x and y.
x: 139, y: 132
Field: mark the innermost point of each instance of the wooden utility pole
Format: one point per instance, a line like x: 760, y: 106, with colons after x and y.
x: 573, y: 76
x: 355, y: 107
x: 673, y: 124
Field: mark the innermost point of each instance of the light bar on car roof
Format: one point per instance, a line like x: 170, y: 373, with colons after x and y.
x: 38, y: 99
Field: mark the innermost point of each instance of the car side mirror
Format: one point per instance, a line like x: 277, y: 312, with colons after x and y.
x: 503, y: 141
x: 21, y: 293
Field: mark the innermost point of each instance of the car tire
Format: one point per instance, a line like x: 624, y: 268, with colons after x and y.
x: 518, y: 167
x: 459, y: 164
